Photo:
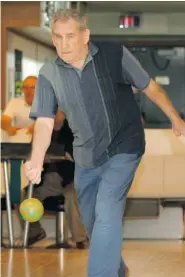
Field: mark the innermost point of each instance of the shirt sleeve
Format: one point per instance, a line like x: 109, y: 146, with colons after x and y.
x: 133, y: 72
x: 11, y: 108
x: 45, y: 102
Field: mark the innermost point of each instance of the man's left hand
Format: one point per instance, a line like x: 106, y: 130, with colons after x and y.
x: 178, y: 127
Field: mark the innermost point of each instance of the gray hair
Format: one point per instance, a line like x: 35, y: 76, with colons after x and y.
x: 66, y: 14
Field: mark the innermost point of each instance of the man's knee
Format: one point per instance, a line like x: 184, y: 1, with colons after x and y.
x: 107, y: 212
x: 51, y: 186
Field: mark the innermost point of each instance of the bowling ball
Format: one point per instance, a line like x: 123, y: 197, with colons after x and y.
x: 31, y: 210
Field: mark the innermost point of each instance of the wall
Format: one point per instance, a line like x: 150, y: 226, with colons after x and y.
x: 15, y: 14
x: 34, y: 56
x: 151, y: 24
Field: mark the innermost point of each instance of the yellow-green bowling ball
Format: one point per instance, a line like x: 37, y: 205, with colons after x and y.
x: 31, y: 210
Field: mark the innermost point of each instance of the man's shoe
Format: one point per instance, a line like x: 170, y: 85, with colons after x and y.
x: 83, y: 244
x: 38, y: 237
x: 32, y: 239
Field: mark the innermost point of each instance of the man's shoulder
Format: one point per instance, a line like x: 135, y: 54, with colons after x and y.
x: 48, y: 69
x: 110, y: 48
x: 107, y: 44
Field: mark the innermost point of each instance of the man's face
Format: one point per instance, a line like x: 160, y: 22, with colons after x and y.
x: 29, y: 89
x: 69, y: 40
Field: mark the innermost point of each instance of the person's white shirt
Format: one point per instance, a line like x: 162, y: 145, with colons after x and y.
x: 19, y: 110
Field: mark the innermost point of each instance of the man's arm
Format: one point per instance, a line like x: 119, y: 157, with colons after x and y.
x: 138, y: 78
x: 44, y: 110
x: 43, y: 129
x: 158, y: 96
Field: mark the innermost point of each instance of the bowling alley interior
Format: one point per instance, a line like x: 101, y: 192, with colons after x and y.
x: 41, y: 221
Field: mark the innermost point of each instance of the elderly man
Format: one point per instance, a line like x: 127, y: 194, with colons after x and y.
x: 92, y: 84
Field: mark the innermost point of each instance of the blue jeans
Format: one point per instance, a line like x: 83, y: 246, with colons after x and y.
x: 102, y: 193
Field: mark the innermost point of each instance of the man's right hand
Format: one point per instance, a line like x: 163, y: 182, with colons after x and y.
x: 33, y: 171
x: 41, y: 140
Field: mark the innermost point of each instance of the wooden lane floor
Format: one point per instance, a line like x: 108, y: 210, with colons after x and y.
x: 144, y: 258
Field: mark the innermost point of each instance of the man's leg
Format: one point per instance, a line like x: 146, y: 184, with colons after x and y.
x: 75, y: 225
x: 106, y: 241
x: 87, y: 185
x: 102, y: 194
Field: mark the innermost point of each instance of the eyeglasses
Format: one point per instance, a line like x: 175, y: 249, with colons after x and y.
x: 28, y: 87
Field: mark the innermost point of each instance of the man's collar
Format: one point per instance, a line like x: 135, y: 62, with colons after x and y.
x: 93, y: 49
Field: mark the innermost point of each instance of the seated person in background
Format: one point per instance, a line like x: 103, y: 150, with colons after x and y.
x: 16, y: 113
x: 16, y: 117
x: 57, y: 179
x: 16, y: 127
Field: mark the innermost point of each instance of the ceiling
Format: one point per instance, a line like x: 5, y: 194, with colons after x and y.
x: 43, y: 34
x: 136, y: 6
x: 39, y: 34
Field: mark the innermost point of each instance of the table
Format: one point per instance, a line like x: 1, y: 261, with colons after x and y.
x: 21, y: 151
